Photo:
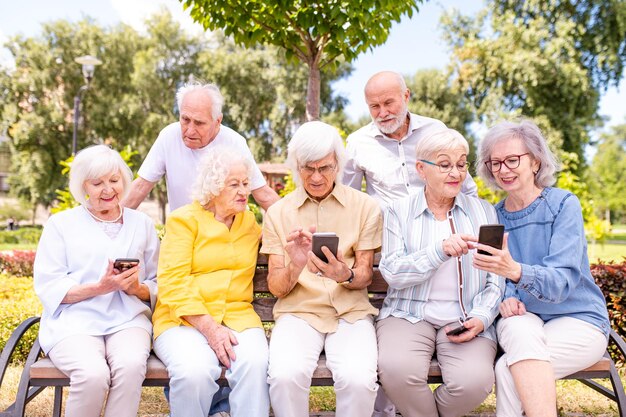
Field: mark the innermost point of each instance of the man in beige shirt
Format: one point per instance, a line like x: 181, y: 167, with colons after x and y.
x: 321, y: 306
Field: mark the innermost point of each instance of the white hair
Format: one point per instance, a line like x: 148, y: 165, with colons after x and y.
x: 439, y: 140
x: 211, y: 90
x: 213, y: 171
x: 531, y: 137
x: 311, y: 142
x: 95, y: 162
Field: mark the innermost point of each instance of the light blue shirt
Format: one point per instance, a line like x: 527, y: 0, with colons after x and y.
x: 548, y: 239
x: 411, y: 256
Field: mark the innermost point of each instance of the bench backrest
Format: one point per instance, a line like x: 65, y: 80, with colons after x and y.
x: 264, y: 300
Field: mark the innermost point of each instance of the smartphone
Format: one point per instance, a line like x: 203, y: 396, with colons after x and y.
x: 328, y: 239
x: 491, y: 235
x: 122, y: 264
x: 457, y: 330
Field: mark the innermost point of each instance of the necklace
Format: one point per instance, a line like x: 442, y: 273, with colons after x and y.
x: 107, y: 221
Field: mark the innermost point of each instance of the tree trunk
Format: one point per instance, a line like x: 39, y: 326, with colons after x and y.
x: 162, y: 199
x: 313, y: 92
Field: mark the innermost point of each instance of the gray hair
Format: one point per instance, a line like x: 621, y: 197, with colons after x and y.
x: 439, y: 140
x: 213, y: 171
x: 312, y: 142
x: 211, y: 90
x: 396, y: 76
x: 530, y: 135
x: 94, y: 162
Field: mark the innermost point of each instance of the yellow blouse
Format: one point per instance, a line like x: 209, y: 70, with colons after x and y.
x: 204, y: 268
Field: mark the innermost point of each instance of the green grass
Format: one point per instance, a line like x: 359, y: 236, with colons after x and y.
x: 606, y: 252
x: 17, y: 246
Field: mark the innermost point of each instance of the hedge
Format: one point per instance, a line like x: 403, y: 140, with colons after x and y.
x: 18, y: 300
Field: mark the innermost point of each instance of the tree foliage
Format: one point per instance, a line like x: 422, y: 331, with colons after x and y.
x: 538, y: 58
x: 319, y: 34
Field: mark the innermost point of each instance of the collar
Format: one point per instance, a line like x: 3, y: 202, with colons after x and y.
x: 415, y: 122
x: 338, y: 193
x: 460, y: 201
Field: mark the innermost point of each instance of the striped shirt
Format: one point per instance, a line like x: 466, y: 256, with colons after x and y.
x: 411, y: 256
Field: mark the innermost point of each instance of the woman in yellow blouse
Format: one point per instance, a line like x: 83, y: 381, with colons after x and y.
x: 204, y: 313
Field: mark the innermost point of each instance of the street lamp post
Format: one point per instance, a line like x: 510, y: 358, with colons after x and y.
x: 89, y: 65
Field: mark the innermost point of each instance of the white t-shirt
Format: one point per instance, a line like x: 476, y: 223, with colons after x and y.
x: 170, y: 156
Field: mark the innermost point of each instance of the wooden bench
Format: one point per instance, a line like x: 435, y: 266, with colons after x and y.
x: 39, y: 372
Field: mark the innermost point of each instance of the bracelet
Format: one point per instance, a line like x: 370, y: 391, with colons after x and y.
x: 349, y: 280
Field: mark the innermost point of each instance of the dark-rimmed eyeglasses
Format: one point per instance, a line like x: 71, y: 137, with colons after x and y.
x: 510, y: 161
x: 445, y: 167
x: 323, y: 170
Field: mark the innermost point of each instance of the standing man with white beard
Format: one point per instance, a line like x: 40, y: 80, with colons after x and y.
x: 384, y: 153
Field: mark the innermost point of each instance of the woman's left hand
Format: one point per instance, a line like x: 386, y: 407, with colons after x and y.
x: 474, y: 327
x: 500, y: 262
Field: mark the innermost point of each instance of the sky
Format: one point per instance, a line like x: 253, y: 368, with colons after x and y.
x: 413, y: 44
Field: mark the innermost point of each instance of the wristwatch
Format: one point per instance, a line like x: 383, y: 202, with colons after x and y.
x: 349, y: 280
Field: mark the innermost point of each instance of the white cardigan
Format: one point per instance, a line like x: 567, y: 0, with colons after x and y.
x: 73, y: 249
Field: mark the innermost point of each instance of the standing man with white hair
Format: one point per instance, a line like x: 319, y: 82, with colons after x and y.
x: 181, y: 145
x: 321, y: 305
x: 383, y: 153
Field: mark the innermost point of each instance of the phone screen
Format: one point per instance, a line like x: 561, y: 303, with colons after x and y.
x: 328, y: 239
x: 491, y: 235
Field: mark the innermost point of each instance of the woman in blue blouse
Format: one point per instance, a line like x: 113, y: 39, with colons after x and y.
x: 554, y: 318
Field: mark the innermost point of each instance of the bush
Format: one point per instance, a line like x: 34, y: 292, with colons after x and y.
x: 18, y: 263
x: 611, y: 278
x: 29, y: 235
x: 17, y: 303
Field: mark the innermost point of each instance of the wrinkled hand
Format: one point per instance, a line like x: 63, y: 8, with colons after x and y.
x: 299, y: 244
x: 474, y: 326
x: 500, y: 262
x: 221, y: 339
x: 456, y: 245
x: 335, y: 269
x: 114, y: 280
x: 512, y: 307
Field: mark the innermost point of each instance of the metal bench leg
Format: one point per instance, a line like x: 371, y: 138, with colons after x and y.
x: 618, y: 389
x: 58, y: 401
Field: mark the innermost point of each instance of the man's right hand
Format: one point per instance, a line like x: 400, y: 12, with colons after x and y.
x: 299, y: 245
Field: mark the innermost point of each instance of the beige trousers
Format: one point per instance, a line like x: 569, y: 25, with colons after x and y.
x: 569, y: 344
x: 96, y: 364
x: 404, y: 354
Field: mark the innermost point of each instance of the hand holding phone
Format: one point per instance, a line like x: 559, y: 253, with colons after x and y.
x: 460, y: 328
x: 122, y: 264
x: 328, y: 239
x: 490, y: 235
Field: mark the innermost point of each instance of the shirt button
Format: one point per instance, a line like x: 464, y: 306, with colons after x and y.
x: 407, y: 184
x: 403, y: 164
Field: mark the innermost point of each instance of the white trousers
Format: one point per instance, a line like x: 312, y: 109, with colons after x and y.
x: 351, y: 355
x: 96, y: 364
x: 194, y: 369
x: 569, y: 345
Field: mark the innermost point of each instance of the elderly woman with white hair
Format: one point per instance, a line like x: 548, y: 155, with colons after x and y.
x: 95, y: 325
x: 321, y: 305
x: 204, y: 314
x: 433, y: 286
x: 554, y: 318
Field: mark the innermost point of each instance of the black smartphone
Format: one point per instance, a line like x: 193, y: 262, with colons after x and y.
x: 457, y: 330
x: 122, y: 264
x: 328, y: 239
x: 491, y: 235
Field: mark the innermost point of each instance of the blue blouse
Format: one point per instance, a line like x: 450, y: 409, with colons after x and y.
x: 548, y: 239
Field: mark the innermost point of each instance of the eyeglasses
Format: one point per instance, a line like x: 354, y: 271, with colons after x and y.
x: 511, y: 162
x: 446, y: 167
x: 323, y: 170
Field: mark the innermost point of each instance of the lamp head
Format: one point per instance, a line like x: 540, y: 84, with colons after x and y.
x: 89, y: 65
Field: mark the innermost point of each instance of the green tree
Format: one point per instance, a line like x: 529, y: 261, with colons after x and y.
x: 319, y: 34
x: 607, y: 173
x: 534, y: 59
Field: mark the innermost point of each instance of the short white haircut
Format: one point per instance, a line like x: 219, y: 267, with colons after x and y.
x: 311, y: 142
x: 213, y: 171
x: 531, y: 137
x: 211, y: 90
x: 441, y: 139
x: 94, y: 162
